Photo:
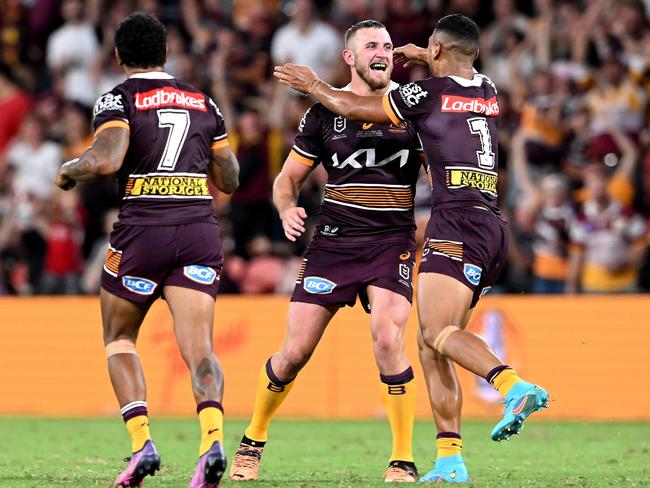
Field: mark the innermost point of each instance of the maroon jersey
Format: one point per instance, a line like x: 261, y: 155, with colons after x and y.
x: 173, y: 128
x: 456, y: 120
x: 371, y: 172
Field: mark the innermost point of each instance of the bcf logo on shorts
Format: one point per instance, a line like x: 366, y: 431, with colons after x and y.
x: 141, y: 286
x: 472, y: 273
x: 201, y: 274
x: 318, y: 285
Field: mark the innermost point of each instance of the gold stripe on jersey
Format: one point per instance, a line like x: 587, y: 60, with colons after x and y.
x: 112, y: 261
x: 371, y: 197
x: 166, y: 186
x: 220, y: 144
x: 301, y: 159
x: 450, y: 249
x: 110, y: 124
x: 388, y: 108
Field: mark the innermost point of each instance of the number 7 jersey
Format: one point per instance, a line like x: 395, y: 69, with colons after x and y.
x: 173, y: 129
x: 456, y: 119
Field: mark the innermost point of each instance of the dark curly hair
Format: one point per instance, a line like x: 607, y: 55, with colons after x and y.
x: 462, y: 30
x: 141, y: 41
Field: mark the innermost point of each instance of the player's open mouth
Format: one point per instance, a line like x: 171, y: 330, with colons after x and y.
x: 378, y: 66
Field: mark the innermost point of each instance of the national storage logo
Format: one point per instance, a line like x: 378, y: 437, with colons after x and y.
x: 174, y: 186
x: 462, y: 177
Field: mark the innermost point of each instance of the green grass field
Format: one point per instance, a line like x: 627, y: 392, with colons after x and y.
x: 310, y: 453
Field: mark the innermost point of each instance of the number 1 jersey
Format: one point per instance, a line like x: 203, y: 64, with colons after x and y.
x: 173, y: 129
x: 456, y: 119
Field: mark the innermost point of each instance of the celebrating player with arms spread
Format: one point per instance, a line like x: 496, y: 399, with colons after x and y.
x: 163, y: 139
x: 455, y: 113
x: 364, y: 245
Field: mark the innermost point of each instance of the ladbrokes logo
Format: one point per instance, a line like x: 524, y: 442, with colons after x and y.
x: 452, y: 103
x: 471, y: 178
x: 169, y: 97
x: 172, y: 186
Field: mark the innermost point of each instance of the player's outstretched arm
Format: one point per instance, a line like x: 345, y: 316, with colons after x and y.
x: 286, y: 189
x: 224, y: 169
x: 103, y: 158
x: 345, y: 103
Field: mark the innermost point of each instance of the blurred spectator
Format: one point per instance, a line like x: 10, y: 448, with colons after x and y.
x: 615, y: 100
x: 34, y: 159
x: 14, y: 105
x: 307, y: 40
x: 541, y: 122
x: 61, y: 224
x: 608, y: 241
x: 71, y: 52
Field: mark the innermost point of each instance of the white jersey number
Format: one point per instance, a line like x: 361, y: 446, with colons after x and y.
x: 479, y: 126
x: 178, y: 121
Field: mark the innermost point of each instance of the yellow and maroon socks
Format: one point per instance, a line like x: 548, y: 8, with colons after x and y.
x: 503, y: 378
x: 399, y: 397
x: 136, y: 418
x: 448, y: 444
x: 271, y: 392
x: 211, y: 422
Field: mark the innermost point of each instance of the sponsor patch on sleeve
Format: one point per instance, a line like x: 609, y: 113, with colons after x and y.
x: 412, y: 94
x: 110, y: 101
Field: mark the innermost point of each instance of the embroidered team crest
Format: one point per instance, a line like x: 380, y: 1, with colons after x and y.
x: 472, y: 273
x: 339, y: 124
x: 405, y: 271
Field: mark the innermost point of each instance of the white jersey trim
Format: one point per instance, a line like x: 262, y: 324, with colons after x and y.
x: 153, y: 75
x: 362, y: 207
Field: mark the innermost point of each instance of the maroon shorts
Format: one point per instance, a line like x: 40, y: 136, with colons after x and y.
x: 468, y: 244
x: 141, y: 260
x: 335, y: 276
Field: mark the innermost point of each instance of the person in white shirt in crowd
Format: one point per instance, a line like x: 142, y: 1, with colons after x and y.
x: 71, y: 53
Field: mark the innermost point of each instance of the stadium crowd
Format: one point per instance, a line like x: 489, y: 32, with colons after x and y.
x: 574, y: 142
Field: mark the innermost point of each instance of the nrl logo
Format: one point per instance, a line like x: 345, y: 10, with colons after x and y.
x: 339, y: 124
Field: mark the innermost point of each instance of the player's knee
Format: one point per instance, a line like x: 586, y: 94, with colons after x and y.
x: 435, y: 337
x: 388, y: 343
x: 291, y: 360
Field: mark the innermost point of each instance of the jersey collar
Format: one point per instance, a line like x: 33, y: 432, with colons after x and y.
x: 476, y: 81
x: 391, y: 86
x: 153, y: 75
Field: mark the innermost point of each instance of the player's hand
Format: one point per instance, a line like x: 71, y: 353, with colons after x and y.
x: 293, y: 222
x: 300, y: 78
x: 64, y: 182
x: 410, y: 55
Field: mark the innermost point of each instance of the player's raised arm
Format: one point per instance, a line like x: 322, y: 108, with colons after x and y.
x: 286, y: 189
x: 103, y: 158
x: 345, y: 103
x: 224, y: 169
x: 410, y: 54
